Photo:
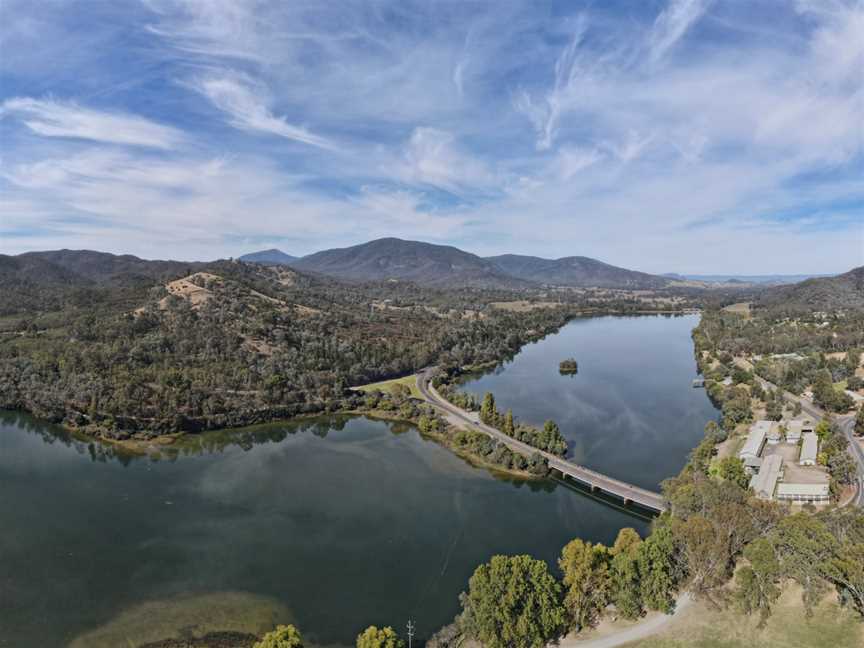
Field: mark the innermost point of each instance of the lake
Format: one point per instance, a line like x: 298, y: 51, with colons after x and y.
x: 332, y: 523
x: 630, y: 411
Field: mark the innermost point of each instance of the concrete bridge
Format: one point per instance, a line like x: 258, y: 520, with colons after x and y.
x: 596, y: 481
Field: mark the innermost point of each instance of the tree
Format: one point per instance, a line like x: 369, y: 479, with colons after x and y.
x: 513, y: 602
x: 400, y: 393
x: 372, y: 637
x: 757, y: 583
x: 284, y: 636
x: 657, y: 568
x: 774, y: 409
x: 842, y: 468
x: 704, y: 550
x: 509, y: 425
x: 859, y: 423
x: 804, y: 545
x: 625, y: 589
x: 714, y: 432
x: 846, y: 571
x: 823, y: 389
x: 732, y: 469
x: 823, y: 429
x: 587, y: 581
x: 488, y: 412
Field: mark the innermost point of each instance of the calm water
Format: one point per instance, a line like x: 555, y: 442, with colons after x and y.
x: 630, y: 412
x: 344, y: 522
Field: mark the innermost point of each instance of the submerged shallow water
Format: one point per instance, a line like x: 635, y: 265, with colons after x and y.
x: 333, y: 523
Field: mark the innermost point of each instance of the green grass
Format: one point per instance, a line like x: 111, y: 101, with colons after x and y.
x: 385, y: 385
x: 830, y: 627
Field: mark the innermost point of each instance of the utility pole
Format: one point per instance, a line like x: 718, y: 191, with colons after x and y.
x: 410, y: 632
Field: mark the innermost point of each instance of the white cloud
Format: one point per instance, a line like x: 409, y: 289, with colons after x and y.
x: 572, y: 161
x: 219, y: 28
x: 51, y: 118
x: 551, y: 135
x: 188, y: 207
x: 570, y: 71
x: 245, y: 103
x: 671, y: 25
x: 432, y: 157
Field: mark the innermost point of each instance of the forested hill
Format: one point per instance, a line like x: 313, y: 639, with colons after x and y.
x: 575, y: 271
x: 443, y: 265
x: 843, y: 292
x: 224, y: 343
x: 423, y: 263
x: 54, y: 279
x: 87, y: 266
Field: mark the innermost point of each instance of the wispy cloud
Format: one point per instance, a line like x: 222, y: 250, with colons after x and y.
x: 432, y: 156
x: 245, y: 105
x: 672, y: 23
x: 220, y: 28
x: 545, y: 113
x: 51, y: 118
x: 501, y: 128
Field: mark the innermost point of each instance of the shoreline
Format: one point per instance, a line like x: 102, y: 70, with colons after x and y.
x: 145, y: 447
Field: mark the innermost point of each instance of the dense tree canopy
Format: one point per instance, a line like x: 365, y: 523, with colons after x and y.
x: 513, y: 602
x: 284, y: 636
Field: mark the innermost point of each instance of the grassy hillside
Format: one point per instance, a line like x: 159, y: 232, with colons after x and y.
x: 702, y: 627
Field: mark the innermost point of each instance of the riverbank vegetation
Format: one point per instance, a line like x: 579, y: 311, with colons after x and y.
x: 154, y: 348
x: 548, y: 438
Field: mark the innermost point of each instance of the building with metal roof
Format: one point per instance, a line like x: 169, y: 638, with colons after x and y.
x: 764, y: 482
x: 755, y: 440
x: 818, y: 493
x: 809, y: 449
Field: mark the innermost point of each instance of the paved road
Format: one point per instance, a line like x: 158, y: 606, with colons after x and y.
x: 593, y: 479
x: 846, y: 423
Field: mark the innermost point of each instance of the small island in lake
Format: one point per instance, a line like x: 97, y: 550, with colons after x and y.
x: 568, y: 366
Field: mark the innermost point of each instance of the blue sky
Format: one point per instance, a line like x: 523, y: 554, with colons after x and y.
x: 662, y: 135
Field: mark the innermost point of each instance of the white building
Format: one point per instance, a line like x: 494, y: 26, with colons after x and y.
x: 765, y: 481
x: 793, y: 430
x: 803, y: 493
x: 755, y: 440
x: 809, y: 449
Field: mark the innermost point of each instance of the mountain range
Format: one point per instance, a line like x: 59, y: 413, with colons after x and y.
x: 443, y: 265
x: 845, y: 291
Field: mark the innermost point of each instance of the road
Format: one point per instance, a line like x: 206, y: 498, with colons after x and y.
x: 640, y: 630
x: 846, y: 424
x: 596, y: 481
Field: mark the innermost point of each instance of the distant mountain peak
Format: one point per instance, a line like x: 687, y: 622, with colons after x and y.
x: 579, y: 271
x: 272, y: 256
x: 393, y: 258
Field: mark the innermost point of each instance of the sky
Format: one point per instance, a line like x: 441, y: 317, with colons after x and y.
x: 691, y: 136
